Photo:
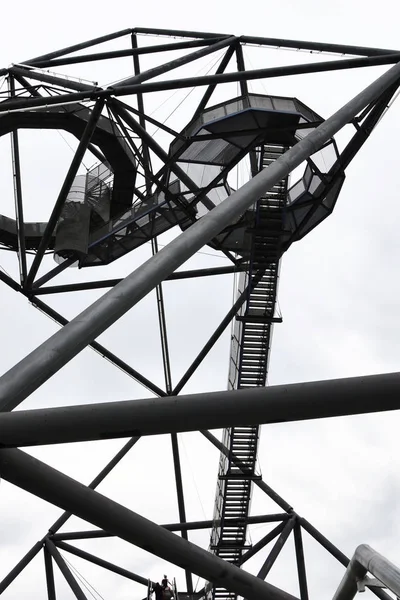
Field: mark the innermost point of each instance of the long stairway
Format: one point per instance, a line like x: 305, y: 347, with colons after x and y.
x: 250, y: 346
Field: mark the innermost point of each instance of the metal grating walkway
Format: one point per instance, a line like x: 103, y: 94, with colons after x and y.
x: 250, y: 345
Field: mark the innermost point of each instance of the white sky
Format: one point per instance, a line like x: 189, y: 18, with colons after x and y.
x: 339, y: 296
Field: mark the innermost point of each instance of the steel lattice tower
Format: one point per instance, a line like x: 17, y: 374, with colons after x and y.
x: 139, y: 189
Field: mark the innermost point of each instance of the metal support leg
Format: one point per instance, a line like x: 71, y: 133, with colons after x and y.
x: 301, y: 565
x: 51, y: 590
x: 181, y: 500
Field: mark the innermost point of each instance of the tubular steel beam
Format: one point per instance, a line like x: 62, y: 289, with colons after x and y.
x: 42, y: 480
x: 121, y: 53
x: 274, y: 404
x: 181, y: 501
x: 10, y: 282
x: 177, y: 32
x: 108, y: 283
x: 174, y: 64
x: 301, y: 565
x: 211, y: 342
x: 316, y: 46
x: 273, y: 555
x: 193, y: 525
x: 209, y: 92
x: 52, y: 79
x: 271, y: 535
x: 29, y: 87
x: 80, y: 46
x: 274, y: 42
x: 238, y: 463
x: 51, y: 590
x: 8, y: 579
x: 97, y: 480
x: 154, y: 244
x: 53, y: 272
x: 104, y: 352
x: 147, y: 87
x: 70, y: 579
x: 65, y: 188
x: 366, y: 559
x: 325, y: 543
x: 29, y: 374
x: 19, y: 212
x: 103, y: 563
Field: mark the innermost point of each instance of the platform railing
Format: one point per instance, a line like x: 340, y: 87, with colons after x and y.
x: 365, y: 559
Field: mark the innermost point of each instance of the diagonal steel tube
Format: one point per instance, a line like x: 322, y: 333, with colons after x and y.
x: 42, y: 480
x: 29, y: 374
x: 103, y: 563
x: 174, y: 64
x: 211, y: 342
x: 101, y: 350
x: 158, y: 48
x: 280, y: 542
x: 19, y: 567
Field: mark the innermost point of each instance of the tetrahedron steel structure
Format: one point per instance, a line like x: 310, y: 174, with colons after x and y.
x: 138, y: 189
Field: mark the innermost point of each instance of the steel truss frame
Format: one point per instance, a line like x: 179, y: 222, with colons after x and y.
x: 200, y: 412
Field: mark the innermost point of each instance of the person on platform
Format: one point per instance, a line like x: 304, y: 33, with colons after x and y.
x: 166, y: 589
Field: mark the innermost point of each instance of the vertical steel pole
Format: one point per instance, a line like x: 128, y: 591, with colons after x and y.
x: 301, y: 565
x: 181, y: 500
x: 51, y: 590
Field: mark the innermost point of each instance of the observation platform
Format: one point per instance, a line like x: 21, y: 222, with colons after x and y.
x: 105, y: 216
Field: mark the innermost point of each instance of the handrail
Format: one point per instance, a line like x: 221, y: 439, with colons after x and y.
x: 365, y: 560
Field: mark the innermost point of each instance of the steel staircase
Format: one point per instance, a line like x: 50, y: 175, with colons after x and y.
x: 250, y: 345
